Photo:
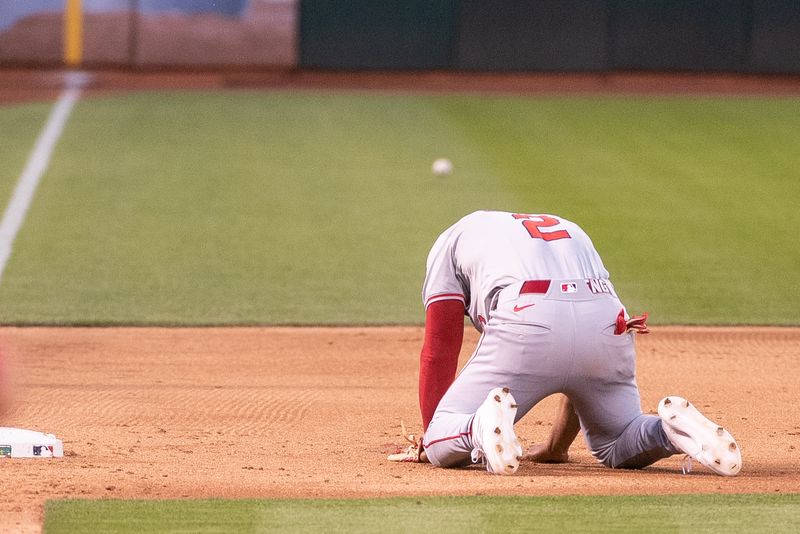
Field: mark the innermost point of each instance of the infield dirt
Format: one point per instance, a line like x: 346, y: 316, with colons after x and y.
x: 313, y: 412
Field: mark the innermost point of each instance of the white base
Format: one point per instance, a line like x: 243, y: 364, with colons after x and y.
x: 21, y: 443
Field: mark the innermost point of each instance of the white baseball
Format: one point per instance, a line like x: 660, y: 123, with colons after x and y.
x: 442, y: 167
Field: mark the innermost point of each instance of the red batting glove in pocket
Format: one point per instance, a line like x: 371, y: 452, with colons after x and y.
x: 637, y: 323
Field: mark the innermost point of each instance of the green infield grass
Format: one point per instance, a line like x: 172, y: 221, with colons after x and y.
x: 312, y: 208
x: 634, y: 514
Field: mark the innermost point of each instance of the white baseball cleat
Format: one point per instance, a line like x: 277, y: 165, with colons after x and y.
x: 493, y: 434
x: 699, y: 437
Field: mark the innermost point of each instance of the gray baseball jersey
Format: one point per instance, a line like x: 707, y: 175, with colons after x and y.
x: 489, y: 250
x: 536, y: 288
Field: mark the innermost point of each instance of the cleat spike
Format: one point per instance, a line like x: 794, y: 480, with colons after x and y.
x: 720, y: 431
x: 732, y: 447
x: 497, y: 398
x: 506, y: 390
x: 497, y: 430
x: 717, y: 462
x: 685, y: 404
x: 499, y: 448
x: 667, y: 401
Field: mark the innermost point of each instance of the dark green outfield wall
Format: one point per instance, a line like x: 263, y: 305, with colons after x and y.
x: 759, y: 36
x: 404, y: 34
x: 535, y: 35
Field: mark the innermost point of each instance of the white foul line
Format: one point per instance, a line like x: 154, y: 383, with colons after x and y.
x: 37, y: 164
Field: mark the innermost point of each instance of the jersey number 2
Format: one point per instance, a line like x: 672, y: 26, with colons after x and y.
x: 534, y: 226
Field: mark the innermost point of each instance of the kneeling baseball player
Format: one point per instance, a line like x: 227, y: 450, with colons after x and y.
x: 551, y: 322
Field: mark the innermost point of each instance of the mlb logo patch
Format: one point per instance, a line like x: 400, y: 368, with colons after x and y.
x: 569, y: 287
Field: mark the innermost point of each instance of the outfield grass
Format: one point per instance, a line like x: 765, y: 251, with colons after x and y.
x: 690, y: 201
x: 635, y: 514
x: 312, y: 208
x: 19, y: 128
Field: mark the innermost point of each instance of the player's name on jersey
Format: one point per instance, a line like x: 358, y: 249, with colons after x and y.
x: 598, y: 286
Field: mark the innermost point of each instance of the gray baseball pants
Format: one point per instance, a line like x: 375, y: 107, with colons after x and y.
x: 559, y: 341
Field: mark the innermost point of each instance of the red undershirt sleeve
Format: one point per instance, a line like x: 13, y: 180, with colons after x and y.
x: 438, y: 361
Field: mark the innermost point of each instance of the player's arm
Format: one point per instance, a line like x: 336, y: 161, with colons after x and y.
x: 565, y: 430
x: 438, y: 361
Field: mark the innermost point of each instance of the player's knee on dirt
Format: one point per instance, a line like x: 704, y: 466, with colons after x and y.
x: 448, y: 458
x: 639, y: 445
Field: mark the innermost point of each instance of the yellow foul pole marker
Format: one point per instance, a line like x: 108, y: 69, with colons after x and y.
x: 73, y: 33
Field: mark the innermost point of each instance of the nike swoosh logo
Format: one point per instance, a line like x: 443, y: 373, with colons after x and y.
x: 520, y: 308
